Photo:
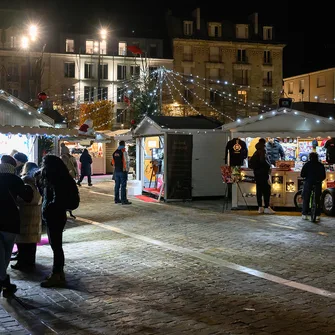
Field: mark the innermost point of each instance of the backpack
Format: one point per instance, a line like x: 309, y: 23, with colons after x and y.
x: 72, y: 195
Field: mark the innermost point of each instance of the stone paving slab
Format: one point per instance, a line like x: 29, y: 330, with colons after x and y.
x: 120, y: 284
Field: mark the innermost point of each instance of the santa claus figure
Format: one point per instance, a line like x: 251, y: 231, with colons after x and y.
x: 86, y: 128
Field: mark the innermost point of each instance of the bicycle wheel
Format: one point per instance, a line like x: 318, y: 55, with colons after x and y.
x: 313, y: 207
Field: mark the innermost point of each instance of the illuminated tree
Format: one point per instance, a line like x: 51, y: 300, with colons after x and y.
x: 100, y: 112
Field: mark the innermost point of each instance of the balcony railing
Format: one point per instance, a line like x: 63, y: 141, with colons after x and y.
x: 267, y: 82
x: 242, y: 60
x: 242, y: 81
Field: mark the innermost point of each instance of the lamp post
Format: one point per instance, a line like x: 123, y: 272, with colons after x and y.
x: 26, y: 42
x: 102, y: 37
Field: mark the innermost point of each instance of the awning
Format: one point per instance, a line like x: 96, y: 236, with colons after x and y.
x: 121, y: 134
x: 63, y: 132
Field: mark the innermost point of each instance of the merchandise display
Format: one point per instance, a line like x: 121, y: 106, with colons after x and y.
x: 236, y: 151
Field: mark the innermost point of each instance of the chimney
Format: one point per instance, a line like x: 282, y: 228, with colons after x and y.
x: 196, y: 15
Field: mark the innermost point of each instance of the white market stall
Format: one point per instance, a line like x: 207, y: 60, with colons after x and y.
x: 21, y: 125
x: 297, y: 132
x: 179, y: 158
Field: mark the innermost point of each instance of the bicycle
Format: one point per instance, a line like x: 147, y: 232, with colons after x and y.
x: 313, y: 204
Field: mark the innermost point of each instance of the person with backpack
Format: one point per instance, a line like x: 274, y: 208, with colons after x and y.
x: 120, y: 162
x: 261, y: 165
x: 60, y: 193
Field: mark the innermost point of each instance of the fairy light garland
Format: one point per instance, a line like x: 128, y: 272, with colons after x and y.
x: 230, y: 97
x: 204, y: 101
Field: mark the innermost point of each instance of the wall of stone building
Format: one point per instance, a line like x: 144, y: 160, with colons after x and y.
x: 200, y: 63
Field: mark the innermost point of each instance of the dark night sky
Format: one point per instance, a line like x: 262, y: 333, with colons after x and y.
x: 307, y: 31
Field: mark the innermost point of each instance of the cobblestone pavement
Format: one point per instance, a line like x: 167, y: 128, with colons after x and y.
x: 182, y: 268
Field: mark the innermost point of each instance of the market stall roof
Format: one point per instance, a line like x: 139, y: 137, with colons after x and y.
x: 156, y: 125
x: 120, y: 134
x: 14, y: 112
x: 282, y: 123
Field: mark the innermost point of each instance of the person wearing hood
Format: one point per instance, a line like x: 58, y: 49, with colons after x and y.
x: 120, y: 162
x: 12, y: 187
x: 274, y: 151
x: 20, y: 159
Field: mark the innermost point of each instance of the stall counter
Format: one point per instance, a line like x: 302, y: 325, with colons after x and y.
x: 285, y: 184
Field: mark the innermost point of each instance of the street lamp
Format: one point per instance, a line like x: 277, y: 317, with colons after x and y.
x: 103, y: 37
x: 33, y: 32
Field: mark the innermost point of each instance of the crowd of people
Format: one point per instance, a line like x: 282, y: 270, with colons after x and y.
x: 313, y: 173
x: 32, y: 197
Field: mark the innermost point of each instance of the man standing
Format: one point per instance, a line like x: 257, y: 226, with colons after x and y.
x: 120, y: 162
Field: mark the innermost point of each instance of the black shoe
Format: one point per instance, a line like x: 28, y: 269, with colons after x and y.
x: 78, y: 183
x: 8, y: 288
x: 23, y: 267
x: 90, y: 184
x: 117, y: 201
x: 126, y: 203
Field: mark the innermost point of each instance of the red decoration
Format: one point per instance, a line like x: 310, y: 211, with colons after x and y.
x: 135, y: 50
x: 132, y: 122
x: 42, y: 96
x: 126, y: 100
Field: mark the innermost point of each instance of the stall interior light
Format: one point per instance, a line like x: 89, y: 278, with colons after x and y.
x: 330, y: 118
x: 317, y: 121
x: 295, y: 113
x: 261, y: 117
x: 238, y: 120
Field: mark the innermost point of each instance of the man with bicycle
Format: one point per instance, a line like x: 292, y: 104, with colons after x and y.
x: 314, y: 174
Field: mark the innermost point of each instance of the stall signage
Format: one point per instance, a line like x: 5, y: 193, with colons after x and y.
x: 179, y: 167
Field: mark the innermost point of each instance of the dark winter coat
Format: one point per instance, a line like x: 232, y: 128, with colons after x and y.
x: 275, y: 152
x: 86, y: 161
x: 53, y: 205
x: 313, y: 172
x: 261, y: 165
x: 12, y: 187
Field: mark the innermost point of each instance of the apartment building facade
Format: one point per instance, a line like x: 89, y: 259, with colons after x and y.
x: 80, y: 69
x: 318, y: 86
x: 234, y: 68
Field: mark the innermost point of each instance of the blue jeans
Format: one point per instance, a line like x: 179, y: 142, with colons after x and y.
x: 120, y: 181
x: 7, y: 241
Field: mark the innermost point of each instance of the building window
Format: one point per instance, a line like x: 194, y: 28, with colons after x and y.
x: 13, y: 73
x: 88, y: 93
x: 267, y: 33
x: 120, y: 94
x: 267, y: 57
x: 134, y: 70
x: 241, y: 77
x: 69, y: 45
x: 242, y: 31
x: 120, y: 116
x: 122, y: 49
x: 187, y: 55
x: 153, y: 50
x: 242, y: 55
x: 89, y: 46
x: 242, y: 96
x: 88, y: 71
x: 188, y: 28
x: 103, y: 71
x: 121, y: 72
x: 214, y: 54
x: 214, y: 29
x: 301, y: 85
x: 290, y: 88
x: 267, y: 98
x: 214, y: 74
x: 103, y: 93
x: 321, y: 81
x: 13, y: 42
x: 69, y: 70
x: 267, y: 78
x: 188, y: 95
x: 68, y: 94
x: 103, y: 47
